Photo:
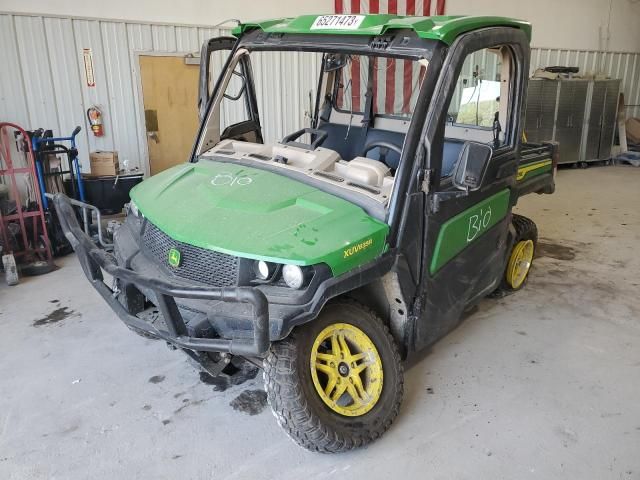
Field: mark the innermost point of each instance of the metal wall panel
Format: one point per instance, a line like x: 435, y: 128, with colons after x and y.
x: 285, y: 109
x: 139, y: 40
x: 187, y: 39
x: 65, y: 76
x: 139, y: 37
x: 88, y: 34
x: 622, y: 65
x: 13, y: 101
x: 42, y: 80
x: 31, y: 38
x: 164, y: 38
x: 121, y: 89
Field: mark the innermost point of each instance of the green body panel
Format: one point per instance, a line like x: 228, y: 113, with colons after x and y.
x: 459, y: 231
x: 443, y: 28
x: 257, y: 214
x: 534, y: 169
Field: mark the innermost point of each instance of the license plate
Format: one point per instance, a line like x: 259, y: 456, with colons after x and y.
x: 337, y: 22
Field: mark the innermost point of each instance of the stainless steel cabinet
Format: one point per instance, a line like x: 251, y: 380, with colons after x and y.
x: 569, y: 124
x: 541, y: 110
x: 609, y: 117
x: 579, y: 114
x: 532, y: 111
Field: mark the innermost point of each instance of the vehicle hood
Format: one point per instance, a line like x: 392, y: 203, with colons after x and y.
x: 249, y: 212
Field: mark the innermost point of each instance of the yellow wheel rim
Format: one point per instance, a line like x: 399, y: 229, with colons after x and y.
x: 346, y: 369
x: 519, y: 263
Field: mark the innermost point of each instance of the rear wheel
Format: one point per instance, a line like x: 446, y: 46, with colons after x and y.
x: 336, y: 383
x: 522, y: 253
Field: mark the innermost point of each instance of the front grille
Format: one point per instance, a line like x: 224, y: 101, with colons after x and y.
x: 197, y: 264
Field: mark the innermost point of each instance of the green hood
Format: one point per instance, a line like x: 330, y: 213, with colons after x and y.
x: 257, y: 214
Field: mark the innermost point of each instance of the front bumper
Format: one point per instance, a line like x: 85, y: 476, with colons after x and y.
x: 94, y: 260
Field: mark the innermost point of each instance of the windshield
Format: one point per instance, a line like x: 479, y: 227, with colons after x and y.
x: 286, y: 88
x: 356, y: 110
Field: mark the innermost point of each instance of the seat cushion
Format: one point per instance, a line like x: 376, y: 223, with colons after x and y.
x: 346, y: 141
x: 349, y: 142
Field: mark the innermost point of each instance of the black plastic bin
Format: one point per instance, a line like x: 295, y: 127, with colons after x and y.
x: 109, y: 194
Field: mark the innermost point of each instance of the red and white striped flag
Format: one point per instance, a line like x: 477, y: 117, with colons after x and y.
x: 395, y: 84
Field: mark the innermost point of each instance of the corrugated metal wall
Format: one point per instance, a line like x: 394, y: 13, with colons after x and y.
x: 42, y: 77
x: 283, y: 82
x: 42, y: 81
x: 625, y: 66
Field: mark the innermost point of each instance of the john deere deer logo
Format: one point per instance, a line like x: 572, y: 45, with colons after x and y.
x: 174, y: 258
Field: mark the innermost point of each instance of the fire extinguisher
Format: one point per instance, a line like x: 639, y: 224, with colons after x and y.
x: 94, y: 114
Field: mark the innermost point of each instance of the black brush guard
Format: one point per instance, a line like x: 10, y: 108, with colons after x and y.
x: 93, y: 260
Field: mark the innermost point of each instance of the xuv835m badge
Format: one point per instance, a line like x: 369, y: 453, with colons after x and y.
x: 358, y: 248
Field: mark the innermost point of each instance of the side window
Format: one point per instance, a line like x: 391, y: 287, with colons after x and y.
x: 479, y: 107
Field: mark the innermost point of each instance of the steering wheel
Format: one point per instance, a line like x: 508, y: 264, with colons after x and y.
x: 384, y: 149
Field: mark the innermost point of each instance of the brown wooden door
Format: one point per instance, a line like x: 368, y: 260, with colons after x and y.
x: 170, y: 91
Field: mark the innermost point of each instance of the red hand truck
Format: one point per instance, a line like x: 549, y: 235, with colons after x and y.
x: 23, y: 233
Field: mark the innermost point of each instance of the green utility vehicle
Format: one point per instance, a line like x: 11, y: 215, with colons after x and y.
x: 332, y: 253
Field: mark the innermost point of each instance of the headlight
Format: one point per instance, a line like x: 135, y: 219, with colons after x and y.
x: 264, y: 270
x: 293, y: 276
x: 133, y: 208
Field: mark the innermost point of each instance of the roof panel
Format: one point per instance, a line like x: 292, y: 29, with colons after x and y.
x: 443, y: 28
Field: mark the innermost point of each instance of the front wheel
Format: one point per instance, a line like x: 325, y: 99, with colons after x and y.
x: 335, y: 383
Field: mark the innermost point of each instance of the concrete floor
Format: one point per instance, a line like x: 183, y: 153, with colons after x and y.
x: 542, y: 384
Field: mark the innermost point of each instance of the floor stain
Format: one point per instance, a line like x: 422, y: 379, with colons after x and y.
x: 55, y: 316
x: 222, y: 382
x: 567, y: 435
x: 557, y: 273
x: 156, y: 379
x: 70, y: 429
x: 188, y: 403
x: 609, y: 415
x: 554, y: 250
x: 251, y: 402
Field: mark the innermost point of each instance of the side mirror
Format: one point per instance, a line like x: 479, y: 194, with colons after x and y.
x: 472, y: 165
x: 204, y: 84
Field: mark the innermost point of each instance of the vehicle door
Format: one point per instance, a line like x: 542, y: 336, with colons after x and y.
x: 472, y: 142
